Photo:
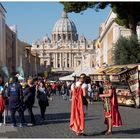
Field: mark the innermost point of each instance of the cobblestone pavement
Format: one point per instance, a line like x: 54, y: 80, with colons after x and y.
x: 57, y: 123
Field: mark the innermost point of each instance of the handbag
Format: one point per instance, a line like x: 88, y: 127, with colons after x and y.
x: 85, y: 102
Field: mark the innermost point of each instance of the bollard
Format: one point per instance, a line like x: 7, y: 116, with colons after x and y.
x: 4, y: 118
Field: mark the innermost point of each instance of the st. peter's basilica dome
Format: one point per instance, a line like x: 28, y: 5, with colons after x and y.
x: 64, y: 29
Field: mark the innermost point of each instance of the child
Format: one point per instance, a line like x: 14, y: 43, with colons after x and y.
x: 2, y: 104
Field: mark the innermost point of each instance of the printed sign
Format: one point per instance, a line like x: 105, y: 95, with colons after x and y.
x: 132, y: 78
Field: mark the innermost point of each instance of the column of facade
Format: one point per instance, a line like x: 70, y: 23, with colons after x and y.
x: 70, y: 60
x: 56, y: 60
x: 63, y: 60
x: 49, y: 62
x: 66, y: 60
x: 74, y: 61
x: 62, y: 37
x: 66, y: 37
x: 56, y: 37
x: 60, y: 60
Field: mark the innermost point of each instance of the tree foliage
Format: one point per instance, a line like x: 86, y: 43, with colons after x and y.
x: 78, y: 7
x: 128, y: 13
x: 126, y: 50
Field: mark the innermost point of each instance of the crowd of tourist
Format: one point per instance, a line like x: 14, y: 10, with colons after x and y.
x: 18, y: 96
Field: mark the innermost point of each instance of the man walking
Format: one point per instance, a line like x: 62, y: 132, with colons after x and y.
x: 15, y: 95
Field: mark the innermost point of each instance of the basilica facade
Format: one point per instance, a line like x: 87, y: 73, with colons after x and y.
x: 65, y: 50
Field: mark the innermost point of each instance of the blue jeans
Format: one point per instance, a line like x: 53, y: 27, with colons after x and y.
x: 21, y: 115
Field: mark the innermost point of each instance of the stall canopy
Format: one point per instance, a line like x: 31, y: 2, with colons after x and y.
x: 86, y: 70
x: 77, y: 72
x: 67, y: 78
x: 114, y: 70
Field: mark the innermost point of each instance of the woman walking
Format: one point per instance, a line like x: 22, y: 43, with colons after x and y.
x: 42, y: 95
x: 29, y: 99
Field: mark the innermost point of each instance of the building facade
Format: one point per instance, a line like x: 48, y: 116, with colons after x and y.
x: 64, y: 51
x: 11, y: 39
x: 109, y: 33
x: 2, y: 36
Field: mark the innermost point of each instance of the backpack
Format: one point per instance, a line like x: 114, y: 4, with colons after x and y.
x: 29, y: 98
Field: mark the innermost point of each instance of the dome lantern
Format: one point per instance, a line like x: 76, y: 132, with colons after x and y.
x: 64, y: 15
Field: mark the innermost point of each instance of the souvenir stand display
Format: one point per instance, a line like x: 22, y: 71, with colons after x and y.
x: 126, y: 80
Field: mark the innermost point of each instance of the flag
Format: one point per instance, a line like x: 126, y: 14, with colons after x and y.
x: 5, y: 71
x: 20, y: 71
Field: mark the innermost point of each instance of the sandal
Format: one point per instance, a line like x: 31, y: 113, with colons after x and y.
x: 103, y: 132
x: 80, y: 134
x: 108, y: 133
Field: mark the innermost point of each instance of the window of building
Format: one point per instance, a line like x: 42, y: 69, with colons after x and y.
x: 69, y: 37
x: 59, y: 37
x: 68, y: 65
x: 54, y: 37
x: 64, y: 36
x: 58, y: 65
x: 45, y: 63
x: 51, y: 64
x: 79, y: 62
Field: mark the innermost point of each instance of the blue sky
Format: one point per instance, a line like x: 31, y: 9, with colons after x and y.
x: 36, y: 19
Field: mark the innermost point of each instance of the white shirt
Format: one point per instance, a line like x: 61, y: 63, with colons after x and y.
x: 78, y: 84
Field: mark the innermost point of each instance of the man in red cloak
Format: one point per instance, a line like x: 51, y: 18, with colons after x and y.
x: 111, y: 112
x: 79, y: 91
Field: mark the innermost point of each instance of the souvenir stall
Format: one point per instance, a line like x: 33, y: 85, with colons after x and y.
x: 126, y: 80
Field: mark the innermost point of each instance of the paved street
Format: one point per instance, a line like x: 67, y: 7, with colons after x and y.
x: 57, y: 123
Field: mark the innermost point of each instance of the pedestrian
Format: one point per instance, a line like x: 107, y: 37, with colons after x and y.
x: 42, y: 96
x: 15, y: 95
x: 29, y: 99
x: 79, y: 91
x: 2, y: 101
x: 54, y: 88
x: 110, y: 104
x: 59, y: 88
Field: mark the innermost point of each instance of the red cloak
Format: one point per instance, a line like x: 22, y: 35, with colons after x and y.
x: 116, y: 117
x: 77, y: 111
x: 2, y: 104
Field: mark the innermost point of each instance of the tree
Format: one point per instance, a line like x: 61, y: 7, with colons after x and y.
x: 78, y: 7
x: 128, y: 13
x: 126, y: 50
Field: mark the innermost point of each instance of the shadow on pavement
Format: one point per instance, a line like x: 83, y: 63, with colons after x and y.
x: 53, y: 118
x: 57, y: 118
x: 129, y: 131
